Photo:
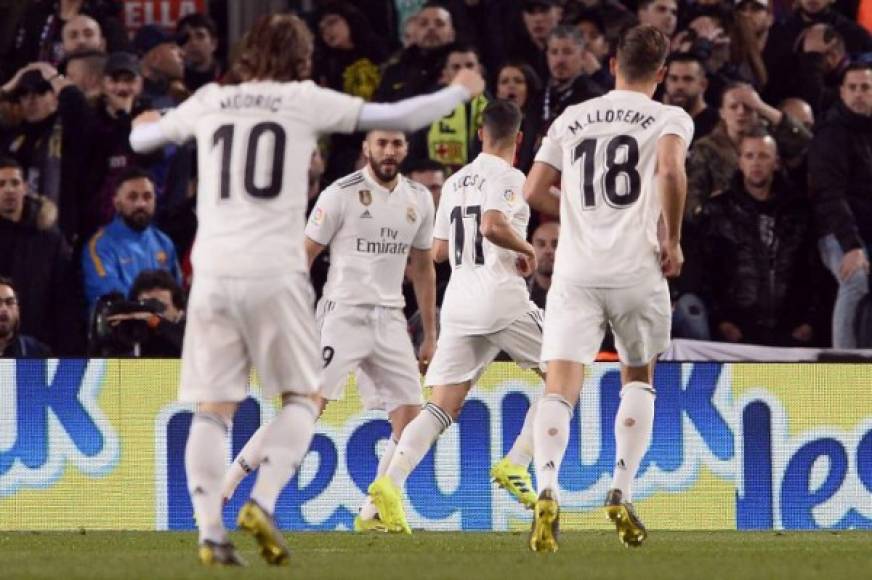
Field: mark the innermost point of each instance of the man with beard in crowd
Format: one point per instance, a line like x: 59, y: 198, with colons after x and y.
x: 13, y: 344
x: 568, y: 84
x: 545, y: 247
x: 417, y: 68
x: 117, y: 253
x: 685, y: 87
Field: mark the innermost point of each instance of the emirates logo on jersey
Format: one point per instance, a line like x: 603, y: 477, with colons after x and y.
x: 411, y: 215
x: 365, y: 196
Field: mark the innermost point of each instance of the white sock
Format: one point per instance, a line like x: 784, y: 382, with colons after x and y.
x: 633, y: 425
x: 550, y: 437
x: 521, y: 452
x: 247, y: 461
x: 368, y: 509
x: 285, y: 443
x: 416, y: 440
x: 205, y: 458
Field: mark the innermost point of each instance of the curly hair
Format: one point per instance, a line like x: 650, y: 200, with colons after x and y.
x: 278, y: 47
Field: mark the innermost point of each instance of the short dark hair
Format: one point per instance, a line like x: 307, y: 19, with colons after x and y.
x: 131, y: 173
x: 198, y: 20
x: 645, y: 3
x: 11, y: 163
x: 459, y: 46
x: 157, y: 280
x: 6, y: 281
x: 413, y: 164
x: 854, y: 67
x: 758, y: 131
x: 686, y: 57
x: 641, y: 52
x: 94, y: 58
x: 501, y: 120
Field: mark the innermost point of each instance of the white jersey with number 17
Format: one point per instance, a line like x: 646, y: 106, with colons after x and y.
x: 254, y: 145
x: 606, y: 150
x: 485, y: 293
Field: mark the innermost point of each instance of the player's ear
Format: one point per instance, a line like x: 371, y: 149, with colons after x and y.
x: 661, y: 74
x: 519, y: 138
x: 613, y: 67
x: 481, y: 134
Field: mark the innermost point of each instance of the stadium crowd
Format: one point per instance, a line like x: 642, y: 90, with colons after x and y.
x: 779, y: 212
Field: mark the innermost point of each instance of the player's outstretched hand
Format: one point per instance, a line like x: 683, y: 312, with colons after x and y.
x: 425, y: 353
x: 671, y: 259
x: 146, y: 117
x: 470, y: 80
x: 526, y: 264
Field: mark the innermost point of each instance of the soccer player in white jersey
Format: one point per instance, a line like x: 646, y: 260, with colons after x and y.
x: 620, y: 160
x: 373, y: 220
x: 251, y: 302
x: 481, y: 228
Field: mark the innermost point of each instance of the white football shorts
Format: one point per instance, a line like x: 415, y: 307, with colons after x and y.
x: 236, y: 323
x: 460, y: 358
x: 576, y: 318
x: 373, y: 341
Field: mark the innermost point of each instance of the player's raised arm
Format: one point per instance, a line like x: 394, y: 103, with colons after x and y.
x: 672, y: 185
x: 418, y: 112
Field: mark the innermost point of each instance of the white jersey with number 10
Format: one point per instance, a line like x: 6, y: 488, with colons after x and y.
x: 254, y: 145
x: 606, y: 149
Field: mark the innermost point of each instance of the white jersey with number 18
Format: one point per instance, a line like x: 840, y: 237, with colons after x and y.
x: 254, y: 145
x: 606, y: 150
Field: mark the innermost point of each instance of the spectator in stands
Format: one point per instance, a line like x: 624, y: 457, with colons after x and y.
x: 596, y: 48
x: 198, y: 38
x: 39, y: 36
x: 661, y: 14
x: 162, y: 67
x: 35, y: 256
x: 712, y: 161
x: 51, y: 143
x: 161, y: 332
x: 85, y: 70
x: 130, y: 243
x: 13, y: 344
x: 544, y: 245
x: 821, y: 64
x: 453, y: 140
x: 80, y: 34
x: 796, y: 165
x: 758, y: 254
x: 418, y: 68
x: 567, y: 84
x: 686, y: 84
x: 347, y: 58
x: 540, y: 18
x: 780, y: 54
x: 429, y: 173
x: 519, y: 83
x: 840, y: 174
x: 614, y: 15
x: 111, y: 154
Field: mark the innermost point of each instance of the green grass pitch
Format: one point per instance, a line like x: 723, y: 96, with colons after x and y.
x: 470, y: 556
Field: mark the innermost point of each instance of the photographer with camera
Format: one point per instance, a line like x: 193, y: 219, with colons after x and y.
x: 150, y: 323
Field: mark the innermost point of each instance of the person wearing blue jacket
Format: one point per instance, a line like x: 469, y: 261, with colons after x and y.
x: 129, y: 244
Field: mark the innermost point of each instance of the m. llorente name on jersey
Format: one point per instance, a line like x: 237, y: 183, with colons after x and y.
x: 245, y: 101
x: 382, y: 246
x: 613, y: 116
